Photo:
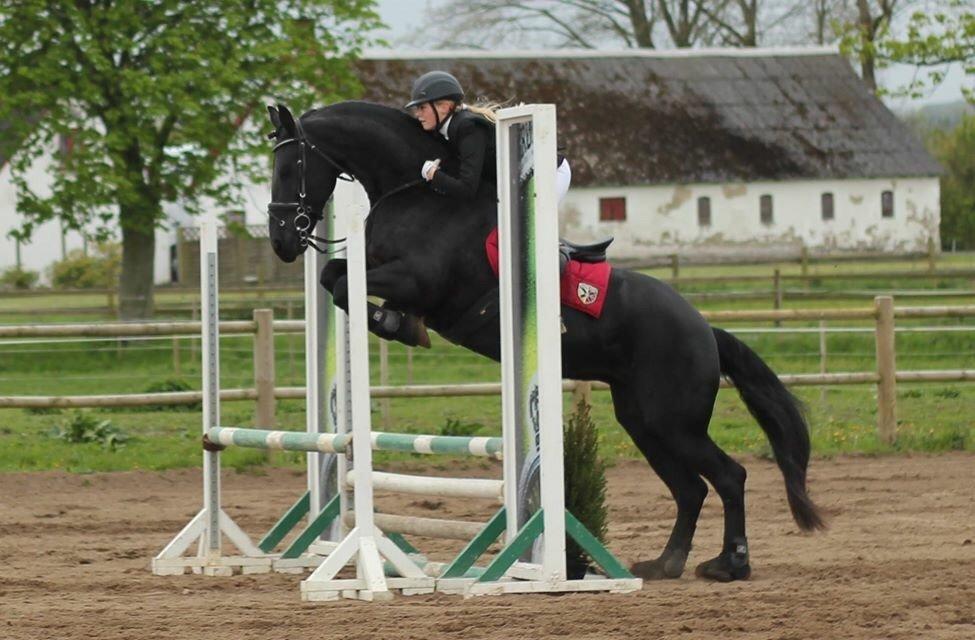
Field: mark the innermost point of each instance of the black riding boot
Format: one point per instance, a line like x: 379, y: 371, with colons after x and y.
x: 390, y: 324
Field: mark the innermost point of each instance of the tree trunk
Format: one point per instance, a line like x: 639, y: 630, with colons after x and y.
x: 867, y: 34
x: 136, y: 279
x: 642, y: 29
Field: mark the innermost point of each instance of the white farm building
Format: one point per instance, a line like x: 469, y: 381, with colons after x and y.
x: 719, y: 153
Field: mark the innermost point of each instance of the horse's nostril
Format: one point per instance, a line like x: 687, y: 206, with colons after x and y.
x: 276, y: 244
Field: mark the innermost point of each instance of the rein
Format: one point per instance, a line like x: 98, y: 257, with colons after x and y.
x: 303, y: 215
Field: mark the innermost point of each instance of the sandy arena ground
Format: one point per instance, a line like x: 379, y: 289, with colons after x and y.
x: 898, y: 562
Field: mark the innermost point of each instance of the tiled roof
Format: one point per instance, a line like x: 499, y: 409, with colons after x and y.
x: 718, y: 116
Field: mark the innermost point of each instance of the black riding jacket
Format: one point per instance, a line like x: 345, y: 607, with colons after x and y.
x: 470, y: 137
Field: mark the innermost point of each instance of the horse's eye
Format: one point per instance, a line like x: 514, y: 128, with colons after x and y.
x: 281, y: 223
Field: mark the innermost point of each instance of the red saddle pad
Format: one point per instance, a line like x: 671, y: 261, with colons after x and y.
x: 584, y: 285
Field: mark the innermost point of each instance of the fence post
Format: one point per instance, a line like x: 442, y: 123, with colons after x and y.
x: 777, y: 293
x: 176, y: 364
x: 581, y: 392
x: 931, y: 253
x: 264, y: 368
x: 804, y: 260
x: 194, y: 316
x: 822, y: 357
x: 409, y: 365
x: 886, y: 370
x: 291, y: 342
x: 675, y: 268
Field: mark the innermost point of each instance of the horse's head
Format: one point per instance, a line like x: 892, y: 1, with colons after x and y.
x: 301, y: 183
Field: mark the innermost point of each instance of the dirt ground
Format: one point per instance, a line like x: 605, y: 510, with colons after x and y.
x: 898, y: 562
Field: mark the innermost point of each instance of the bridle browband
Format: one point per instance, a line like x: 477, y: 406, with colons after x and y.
x: 303, y: 215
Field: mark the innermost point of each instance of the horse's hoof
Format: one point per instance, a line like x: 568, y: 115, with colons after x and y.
x: 666, y: 567
x: 731, y: 563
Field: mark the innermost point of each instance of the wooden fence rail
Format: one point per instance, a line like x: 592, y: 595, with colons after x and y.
x: 265, y: 391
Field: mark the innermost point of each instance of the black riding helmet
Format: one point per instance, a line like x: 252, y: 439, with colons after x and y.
x: 435, y: 85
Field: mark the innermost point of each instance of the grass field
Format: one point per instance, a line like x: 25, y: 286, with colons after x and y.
x: 931, y: 417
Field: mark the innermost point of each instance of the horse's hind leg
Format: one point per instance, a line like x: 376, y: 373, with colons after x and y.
x: 686, y: 487
x: 727, y: 477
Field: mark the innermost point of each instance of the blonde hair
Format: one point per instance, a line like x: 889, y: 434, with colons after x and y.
x: 484, y: 108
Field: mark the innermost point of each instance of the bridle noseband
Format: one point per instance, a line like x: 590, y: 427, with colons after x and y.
x: 303, y: 215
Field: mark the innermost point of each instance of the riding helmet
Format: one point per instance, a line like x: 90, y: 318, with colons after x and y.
x: 435, y: 85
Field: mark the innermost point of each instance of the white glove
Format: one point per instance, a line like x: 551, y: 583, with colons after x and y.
x: 429, y: 168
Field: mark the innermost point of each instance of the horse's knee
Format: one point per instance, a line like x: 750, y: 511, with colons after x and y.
x: 340, y: 292
x: 331, y: 272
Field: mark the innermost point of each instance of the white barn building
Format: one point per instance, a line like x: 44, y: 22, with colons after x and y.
x: 711, y: 153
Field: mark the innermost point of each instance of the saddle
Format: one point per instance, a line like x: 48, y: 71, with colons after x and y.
x: 589, y: 253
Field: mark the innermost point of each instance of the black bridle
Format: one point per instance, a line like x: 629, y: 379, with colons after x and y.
x: 304, y: 218
x: 303, y: 215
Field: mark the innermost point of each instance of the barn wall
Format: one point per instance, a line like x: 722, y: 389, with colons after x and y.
x: 663, y: 220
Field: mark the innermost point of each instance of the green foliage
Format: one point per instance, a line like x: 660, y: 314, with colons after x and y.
x: 170, y: 385
x: 43, y: 411
x: 585, y: 480
x: 956, y: 152
x: 16, y: 278
x: 158, y: 102
x: 82, y: 426
x: 455, y: 427
x: 934, y: 38
x: 99, y: 270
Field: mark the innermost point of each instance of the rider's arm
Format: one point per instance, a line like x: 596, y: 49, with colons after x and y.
x: 471, y: 145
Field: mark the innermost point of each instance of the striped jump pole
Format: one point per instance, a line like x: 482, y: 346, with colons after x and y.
x: 338, y: 443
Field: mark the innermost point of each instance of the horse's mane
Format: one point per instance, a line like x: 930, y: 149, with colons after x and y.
x: 401, y: 125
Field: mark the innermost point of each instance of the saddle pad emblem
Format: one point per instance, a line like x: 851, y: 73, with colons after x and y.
x: 587, y: 293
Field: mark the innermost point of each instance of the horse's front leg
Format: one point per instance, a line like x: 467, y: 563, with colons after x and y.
x: 391, y: 282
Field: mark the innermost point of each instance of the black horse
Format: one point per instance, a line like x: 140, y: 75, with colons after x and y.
x: 661, y: 359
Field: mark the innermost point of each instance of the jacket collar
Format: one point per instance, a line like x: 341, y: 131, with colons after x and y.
x: 445, y: 127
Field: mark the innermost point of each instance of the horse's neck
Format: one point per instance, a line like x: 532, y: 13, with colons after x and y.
x: 371, y: 153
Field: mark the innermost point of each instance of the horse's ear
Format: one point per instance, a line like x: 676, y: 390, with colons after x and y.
x: 287, y: 121
x: 276, y: 121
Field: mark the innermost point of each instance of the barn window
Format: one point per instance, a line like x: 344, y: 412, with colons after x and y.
x: 826, y: 205
x: 765, y: 207
x: 887, y: 204
x: 612, y: 209
x: 704, y: 211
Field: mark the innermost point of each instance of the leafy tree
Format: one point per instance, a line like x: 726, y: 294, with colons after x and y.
x: 956, y: 152
x: 154, y: 98
x: 934, y: 39
x: 862, y: 34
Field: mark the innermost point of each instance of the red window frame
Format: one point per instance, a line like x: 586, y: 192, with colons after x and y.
x: 612, y: 209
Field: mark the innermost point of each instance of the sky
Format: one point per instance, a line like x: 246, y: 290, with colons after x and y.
x: 405, y: 17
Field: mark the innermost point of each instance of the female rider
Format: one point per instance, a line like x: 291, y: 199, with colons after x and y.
x: 437, y: 102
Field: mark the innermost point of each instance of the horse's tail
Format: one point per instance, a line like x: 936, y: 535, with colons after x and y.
x: 780, y: 414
